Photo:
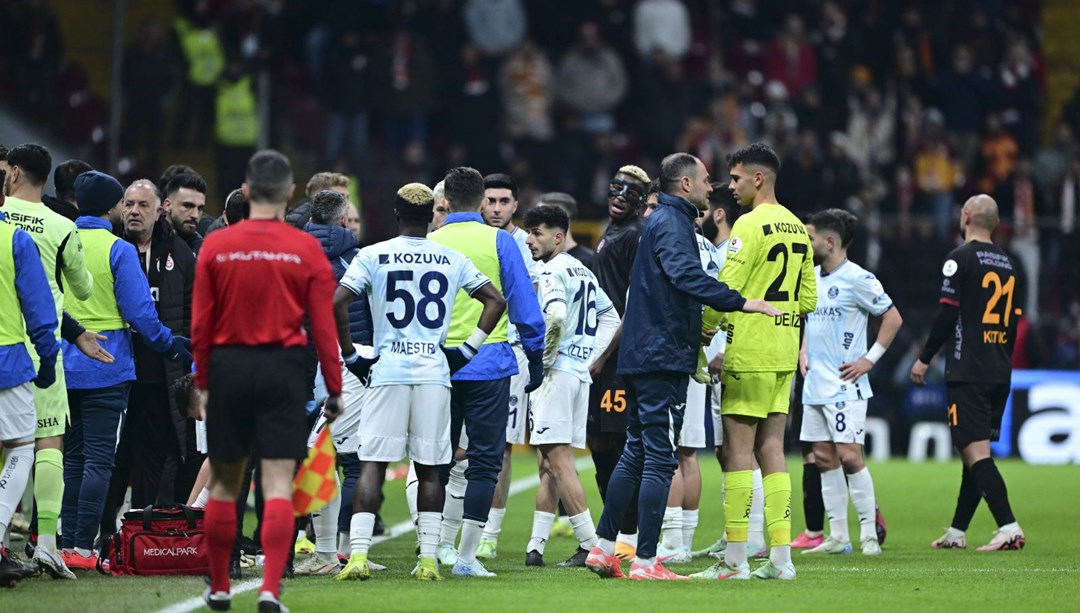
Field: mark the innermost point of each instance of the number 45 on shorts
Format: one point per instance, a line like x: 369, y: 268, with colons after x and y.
x: 613, y: 400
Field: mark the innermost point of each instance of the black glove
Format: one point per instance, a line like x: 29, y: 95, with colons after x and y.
x: 178, y: 351
x: 360, y: 366
x: 536, y: 371
x: 46, y: 373
x: 458, y: 357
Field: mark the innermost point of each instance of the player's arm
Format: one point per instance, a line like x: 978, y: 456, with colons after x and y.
x: 553, y: 297
x: 132, y: 292
x: 35, y: 297
x: 677, y: 255
x: 479, y: 287
x: 320, y: 308
x: 203, y: 314
x: 600, y: 358
x: 355, y: 283
x: 736, y: 272
x: 608, y: 323
x: 808, y: 283
x: 79, y: 280
x: 944, y: 322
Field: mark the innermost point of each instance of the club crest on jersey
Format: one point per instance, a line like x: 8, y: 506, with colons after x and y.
x: 834, y: 292
x: 513, y: 400
x: 840, y: 405
x: 949, y: 269
x: 169, y: 263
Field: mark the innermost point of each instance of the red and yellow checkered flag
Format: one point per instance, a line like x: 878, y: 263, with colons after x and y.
x: 315, y: 484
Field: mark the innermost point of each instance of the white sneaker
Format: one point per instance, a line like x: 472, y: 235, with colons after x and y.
x: 268, y: 603
x: 952, y: 539
x: 446, y: 554
x: 870, y: 546
x: 676, y: 555
x: 1005, y: 540
x: 476, y: 569
x: 785, y: 572
x: 721, y: 570
x: 317, y: 565
x: 52, y: 564
x: 757, y: 549
x: 831, y: 545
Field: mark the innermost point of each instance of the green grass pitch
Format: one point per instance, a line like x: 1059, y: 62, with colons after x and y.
x: 917, y: 500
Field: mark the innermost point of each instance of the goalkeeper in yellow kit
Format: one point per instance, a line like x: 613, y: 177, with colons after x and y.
x: 769, y: 256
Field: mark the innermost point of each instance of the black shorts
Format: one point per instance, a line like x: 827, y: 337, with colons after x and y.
x: 607, y: 402
x: 975, y: 411
x: 257, y: 397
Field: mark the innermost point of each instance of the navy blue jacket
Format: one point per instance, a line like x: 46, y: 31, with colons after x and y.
x: 339, y: 245
x: 662, y: 322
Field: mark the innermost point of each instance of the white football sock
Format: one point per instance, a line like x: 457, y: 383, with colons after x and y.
x: 645, y: 562
x: 454, y: 505
x: 671, y: 528
x: 861, y: 485
x: 493, y: 527
x: 735, y: 554
x: 325, y: 523
x: 626, y: 539
x: 606, y: 546
x: 202, y: 499
x: 361, y: 528
x: 412, y: 484
x: 756, y: 529
x: 48, y: 542
x: 835, y: 496
x: 14, y: 474
x: 780, y: 555
x: 471, y: 531
x: 584, y: 529
x: 427, y: 530
x: 541, y: 530
x: 689, y: 526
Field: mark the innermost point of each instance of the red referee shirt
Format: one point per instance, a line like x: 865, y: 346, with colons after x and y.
x: 254, y: 282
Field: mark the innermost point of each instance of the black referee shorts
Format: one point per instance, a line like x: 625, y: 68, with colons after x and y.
x: 256, y: 404
x: 975, y: 411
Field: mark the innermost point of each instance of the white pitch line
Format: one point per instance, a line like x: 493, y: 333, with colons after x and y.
x: 937, y: 570
x: 405, y: 527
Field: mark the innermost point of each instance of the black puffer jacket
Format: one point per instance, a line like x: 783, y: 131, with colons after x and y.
x: 340, y: 247
x: 175, y: 263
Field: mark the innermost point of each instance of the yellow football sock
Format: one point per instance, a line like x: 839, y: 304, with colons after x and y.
x: 48, y: 488
x: 739, y: 492
x: 777, y: 488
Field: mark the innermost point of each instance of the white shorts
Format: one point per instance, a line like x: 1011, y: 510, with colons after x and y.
x: 717, y: 421
x: 559, y: 411
x: 692, y: 435
x: 518, y: 420
x: 18, y: 416
x: 400, y: 419
x: 200, y: 437
x: 840, y: 422
x: 346, y: 428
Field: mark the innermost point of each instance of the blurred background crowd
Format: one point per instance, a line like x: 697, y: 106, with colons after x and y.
x: 895, y: 110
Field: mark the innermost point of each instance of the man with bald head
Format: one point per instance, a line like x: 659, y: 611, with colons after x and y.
x: 977, y: 314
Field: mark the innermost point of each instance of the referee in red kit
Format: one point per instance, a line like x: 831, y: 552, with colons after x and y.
x: 254, y: 284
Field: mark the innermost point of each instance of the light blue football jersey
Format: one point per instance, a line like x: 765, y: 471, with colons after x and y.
x: 836, y: 332
x: 565, y: 279
x: 411, y: 284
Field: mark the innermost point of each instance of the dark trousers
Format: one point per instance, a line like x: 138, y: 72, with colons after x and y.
x: 483, y: 408
x: 350, y: 467
x: 97, y: 417
x: 656, y: 403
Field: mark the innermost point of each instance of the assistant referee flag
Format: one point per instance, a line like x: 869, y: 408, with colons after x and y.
x: 315, y: 483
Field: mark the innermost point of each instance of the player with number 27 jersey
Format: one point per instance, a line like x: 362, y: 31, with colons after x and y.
x: 412, y: 283
x: 560, y: 277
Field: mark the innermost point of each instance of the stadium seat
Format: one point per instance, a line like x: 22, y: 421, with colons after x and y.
x: 922, y: 434
x: 878, y: 433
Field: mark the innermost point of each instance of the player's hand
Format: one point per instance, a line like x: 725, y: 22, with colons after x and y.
x: 918, y: 372
x: 197, y: 410
x: 46, y: 374
x: 333, y: 408
x: 458, y: 357
x: 87, y: 342
x: 707, y: 336
x: 536, y: 371
x: 851, y: 371
x: 804, y: 364
x: 597, y: 366
x: 360, y: 366
x: 716, y: 365
x: 757, y: 305
x: 179, y: 350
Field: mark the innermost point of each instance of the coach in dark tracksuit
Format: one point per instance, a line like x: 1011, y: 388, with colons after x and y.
x: 660, y: 339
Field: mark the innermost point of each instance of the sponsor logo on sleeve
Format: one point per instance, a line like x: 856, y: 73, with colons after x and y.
x: 949, y: 269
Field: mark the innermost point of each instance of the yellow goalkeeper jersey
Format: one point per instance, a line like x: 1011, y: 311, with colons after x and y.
x: 769, y: 256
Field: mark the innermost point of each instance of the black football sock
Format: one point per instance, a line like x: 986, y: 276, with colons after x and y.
x: 813, y: 505
x: 989, y: 481
x: 966, y: 501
